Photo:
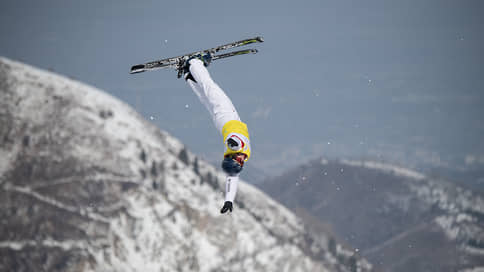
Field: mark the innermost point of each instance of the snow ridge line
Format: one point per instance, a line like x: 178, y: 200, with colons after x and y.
x: 55, y: 203
x: 65, y: 245
x: 96, y: 177
x: 400, y: 171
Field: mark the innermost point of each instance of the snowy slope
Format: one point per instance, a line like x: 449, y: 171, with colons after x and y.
x: 86, y: 184
x: 400, y: 219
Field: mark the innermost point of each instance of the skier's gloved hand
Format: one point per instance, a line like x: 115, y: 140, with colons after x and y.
x: 233, y: 144
x: 227, y: 207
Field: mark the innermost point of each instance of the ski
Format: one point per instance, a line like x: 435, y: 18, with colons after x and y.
x: 177, y: 62
x: 235, y: 53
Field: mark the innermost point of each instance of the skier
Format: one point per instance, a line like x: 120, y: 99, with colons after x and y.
x: 226, y: 120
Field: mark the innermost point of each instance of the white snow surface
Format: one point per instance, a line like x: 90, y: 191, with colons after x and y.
x: 385, y: 167
x: 175, y: 228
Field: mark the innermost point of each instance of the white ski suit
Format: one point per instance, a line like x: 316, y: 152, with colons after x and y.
x: 224, y: 115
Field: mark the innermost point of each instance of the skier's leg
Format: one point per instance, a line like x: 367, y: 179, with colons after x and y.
x: 211, y: 95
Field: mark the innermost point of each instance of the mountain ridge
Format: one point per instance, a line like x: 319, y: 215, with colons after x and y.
x: 88, y: 185
x: 398, y: 218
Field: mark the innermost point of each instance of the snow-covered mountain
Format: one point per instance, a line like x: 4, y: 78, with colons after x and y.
x: 399, y: 219
x: 86, y: 184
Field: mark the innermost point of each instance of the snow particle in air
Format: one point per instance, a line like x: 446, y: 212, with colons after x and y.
x: 357, y: 249
x: 186, y: 106
x: 152, y: 118
x: 329, y: 143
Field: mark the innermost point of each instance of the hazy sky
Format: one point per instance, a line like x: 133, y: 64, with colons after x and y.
x: 393, y: 80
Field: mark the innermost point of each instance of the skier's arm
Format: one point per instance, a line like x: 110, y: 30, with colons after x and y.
x: 231, y: 187
x: 230, y: 191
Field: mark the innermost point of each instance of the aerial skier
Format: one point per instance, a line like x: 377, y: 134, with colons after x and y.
x: 226, y: 119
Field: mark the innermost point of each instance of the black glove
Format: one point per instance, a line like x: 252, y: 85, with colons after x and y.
x: 233, y: 144
x: 227, y: 206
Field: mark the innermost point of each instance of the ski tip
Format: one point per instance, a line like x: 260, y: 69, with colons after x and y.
x: 259, y: 39
x: 137, y: 69
x: 136, y: 72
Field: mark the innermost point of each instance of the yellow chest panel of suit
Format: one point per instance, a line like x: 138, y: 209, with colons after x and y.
x: 240, y: 129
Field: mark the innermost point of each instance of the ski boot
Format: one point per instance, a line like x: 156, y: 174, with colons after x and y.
x: 205, y: 58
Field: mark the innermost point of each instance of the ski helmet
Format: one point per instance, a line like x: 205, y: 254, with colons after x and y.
x: 231, y: 166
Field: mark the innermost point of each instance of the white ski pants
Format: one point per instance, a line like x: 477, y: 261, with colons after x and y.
x: 211, y: 95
